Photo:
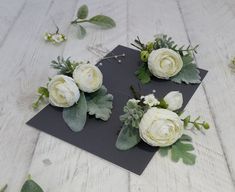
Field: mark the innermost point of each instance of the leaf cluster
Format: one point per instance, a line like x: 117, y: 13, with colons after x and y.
x: 181, y: 149
x: 132, y: 114
x: 64, y: 66
x: 100, y: 20
x: 98, y: 103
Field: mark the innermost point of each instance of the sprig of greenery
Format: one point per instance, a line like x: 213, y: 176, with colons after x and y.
x: 163, y: 41
x: 198, y: 125
x: 100, y: 20
x: 43, y: 93
x: 132, y: 114
x: 64, y: 66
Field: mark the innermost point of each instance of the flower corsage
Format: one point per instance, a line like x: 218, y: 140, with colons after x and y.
x: 158, y: 123
x: 78, y: 89
x: 163, y: 59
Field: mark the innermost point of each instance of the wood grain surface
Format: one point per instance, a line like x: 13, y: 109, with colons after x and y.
x: 61, y: 167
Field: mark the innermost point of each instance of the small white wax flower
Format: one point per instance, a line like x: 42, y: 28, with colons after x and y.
x: 47, y: 36
x: 160, y: 127
x: 134, y: 101
x: 164, y: 63
x: 174, y: 99
x: 57, y: 38
x: 88, y: 77
x: 63, y: 91
x: 150, y: 100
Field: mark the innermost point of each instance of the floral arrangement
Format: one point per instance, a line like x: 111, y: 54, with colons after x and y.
x: 158, y: 123
x: 164, y: 59
x: 78, y: 89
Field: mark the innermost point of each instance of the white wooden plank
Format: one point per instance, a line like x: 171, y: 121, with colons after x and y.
x: 210, y: 172
x: 59, y: 166
x: 214, y: 30
x: 24, y: 66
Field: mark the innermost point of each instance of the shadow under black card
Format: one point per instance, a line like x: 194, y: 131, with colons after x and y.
x: 99, y: 137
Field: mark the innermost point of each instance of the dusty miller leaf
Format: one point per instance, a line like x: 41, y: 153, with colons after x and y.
x: 103, y: 21
x: 82, y: 12
x: 163, y: 151
x: 75, y: 116
x: 181, y: 150
x: 127, y: 138
x: 100, y: 104
x: 31, y: 186
x: 81, y: 32
x: 189, y: 72
x: 143, y: 74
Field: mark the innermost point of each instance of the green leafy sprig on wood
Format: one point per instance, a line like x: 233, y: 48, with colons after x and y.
x: 100, y: 20
x: 189, y: 72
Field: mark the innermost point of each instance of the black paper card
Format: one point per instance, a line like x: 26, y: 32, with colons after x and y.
x: 99, y: 137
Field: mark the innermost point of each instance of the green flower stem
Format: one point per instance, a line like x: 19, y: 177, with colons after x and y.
x: 77, y: 21
x: 134, y: 92
x: 36, y: 103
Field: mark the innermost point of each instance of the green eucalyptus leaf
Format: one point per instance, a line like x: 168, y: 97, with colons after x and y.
x: 31, y: 186
x: 75, y: 116
x: 182, y: 151
x: 82, y: 12
x: 103, y: 21
x: 189, y: 72
x: 100, y: 104
x: 127, y: 138
x: 81, y: 32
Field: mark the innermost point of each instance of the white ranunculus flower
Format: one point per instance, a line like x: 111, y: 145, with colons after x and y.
x: 160, y: 127
x: 164, y: 63
x: 88, y: 77
x: 174, y: 99
x: 63, y: 91
x: 150, y: 100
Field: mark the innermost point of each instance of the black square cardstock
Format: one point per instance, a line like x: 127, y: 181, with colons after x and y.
x: 99, y: 137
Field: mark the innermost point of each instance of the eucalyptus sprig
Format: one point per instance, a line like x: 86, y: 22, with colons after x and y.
x: 198, y: 125
x: 64, y: 66
x: 100, y: 20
